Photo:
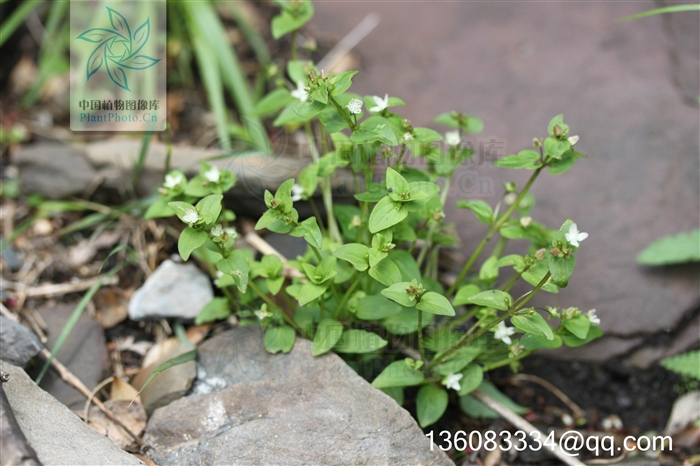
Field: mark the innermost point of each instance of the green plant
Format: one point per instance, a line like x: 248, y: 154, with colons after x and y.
x: 370, y: 271
x: 686, y: 364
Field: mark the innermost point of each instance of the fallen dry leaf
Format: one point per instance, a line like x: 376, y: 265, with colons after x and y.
x: 122, y: 390
x: 159, y: 350
x: 133, y: 415
x: 111, y: 307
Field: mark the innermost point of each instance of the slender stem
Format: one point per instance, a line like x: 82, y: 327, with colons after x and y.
x: 466, y: 338
x: 347, y: 295
x: 317, y: 214
x: 272, y: 304
x: 421, y: 349
x: 294, y: 45
x: 512, y: 280
x: 505, y: 362
x: 352, y: 125
x: 433, y: 225
x: 494, y: 228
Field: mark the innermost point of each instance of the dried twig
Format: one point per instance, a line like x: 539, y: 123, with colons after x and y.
x: 75, y: 382
x: 349, y: 42
x: 525, y: 426
x: 59, y: 289
x: 578, y: 412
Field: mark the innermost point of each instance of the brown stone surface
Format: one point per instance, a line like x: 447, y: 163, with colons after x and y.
x: 516, y: 65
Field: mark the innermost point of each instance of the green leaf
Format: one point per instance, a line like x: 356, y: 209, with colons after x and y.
x: 308, y: 109
x: 309, y: 292
x: 397, y: 292
x: 279, y: 339
x: 687, y: 364
x: 480, y: 208
x: 398, y: 374
x: 395, y: 392
x: 273, y: 101
x: 525, y: 159
x: 579, y: 326
x: 435, y: 303
x: 422, y: 190
x: 374, y: 128
x: 216, y: 309
x: 396, y: 184
x: 555, y: 148
x: 496, y: 299
x: 342, y: 82
x: 209, y: 208
x: 406, y: 321
x: 458, y: 361
x: 678, y: 249
x: 375, y: 257
x: 190, y: 239
x: 159, y: 209
x: 666, y: 9
x: 567, y: 161
x: 556, y: 121
x: 359, y: 341
x: 464, y: 293
x: 181, y: 208
x: 386, y: 214
x: 236, y: 265
x: 561, y: 268
x: 431, y: 404
x: 532, y: 342
x: 574, y: 342
x: 356, y: 254
x: 290, y: 20
x: 468, y: 123
x: 489, y: 269
x: 407, y: 265
x: 327, y: 335
x: 426, y: 135
x: 376, y: 307
x: 309, y: 230
x: 533, y: 323
x: 441, y: 339
x: 473, y: 375
x: 386, y: 272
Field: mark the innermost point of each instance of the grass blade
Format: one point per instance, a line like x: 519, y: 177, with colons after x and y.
x: 17, y: 17
x: 659, y: 11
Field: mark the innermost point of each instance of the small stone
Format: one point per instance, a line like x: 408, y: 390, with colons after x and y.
x: 262, y: 407
x: 56, y: 434
x: 12, y: 257
x: 18, y: 344
x: 177, y: 291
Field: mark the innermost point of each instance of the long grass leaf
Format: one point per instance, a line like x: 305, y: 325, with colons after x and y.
x: 10, y: 25
x: 659, y: 11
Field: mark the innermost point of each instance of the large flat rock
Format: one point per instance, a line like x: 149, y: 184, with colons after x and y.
x: 253, y: 408
x: 622, y: 86
x: 57, y: 435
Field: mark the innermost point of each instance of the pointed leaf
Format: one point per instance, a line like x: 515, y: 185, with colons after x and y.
x: 398, y: 374
x: 431, y: 404
x: 327, y: 335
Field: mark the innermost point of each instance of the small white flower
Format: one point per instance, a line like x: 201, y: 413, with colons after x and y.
x: 382, y: 104
x: 230, y: 232
x: 407, y: 136
x: 510, y: 198
x: 190, y: 216
x: 452, y: 381
x: 217, y: 231
x: 212, y: 175
x: 593, y: 318
x: 262, y: 313
x: 355, y: 106
x: 452, y: 138
x: 297, y: 192
x: 503, y: 333
x: 172, y: 181
x: 573, y: 140
x: 219, y: 274
x: 574, y: 236
x: 525, y: 221
x: 567, y: 420
x: 300, y: 92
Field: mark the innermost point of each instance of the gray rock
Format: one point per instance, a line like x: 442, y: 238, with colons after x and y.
x: 290, y: 409
x: 12, y: 257
x: 57, y: 435
x: 55, y: 170
x: 623, y: 87
x: 18, y: 344
x: 84, y: 353
x: 173, y: 291
x: 169, y: 385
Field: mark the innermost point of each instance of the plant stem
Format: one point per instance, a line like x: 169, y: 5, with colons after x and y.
x: 466, y: 338
x: 433, y: 225
x: 505, y: 362
x: 326, y: 190
x: 347, y: 295
x: 494, y: 228
x: 272, y: 304
x: 421, y: 349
